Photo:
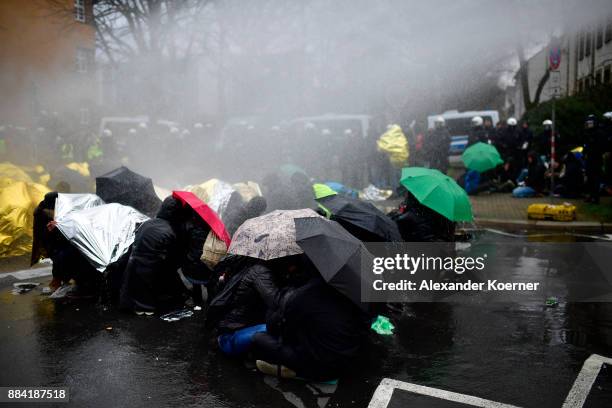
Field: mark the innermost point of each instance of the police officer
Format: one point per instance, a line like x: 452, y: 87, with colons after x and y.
x: 593, y: 154
x: 477, y: 132
x: 437, y: 144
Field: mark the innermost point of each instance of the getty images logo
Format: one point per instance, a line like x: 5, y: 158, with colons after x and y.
x: 413, y: 264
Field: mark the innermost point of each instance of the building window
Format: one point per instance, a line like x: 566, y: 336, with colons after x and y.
x: 587, y: 44
x: 79, y: 11
x: 599, y: 36
x: 83, y: 60
x: 606, y: 74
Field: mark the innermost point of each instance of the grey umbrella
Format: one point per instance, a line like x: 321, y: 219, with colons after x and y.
x: 269, y: 236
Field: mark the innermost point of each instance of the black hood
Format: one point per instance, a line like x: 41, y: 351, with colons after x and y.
x: 171, y: 210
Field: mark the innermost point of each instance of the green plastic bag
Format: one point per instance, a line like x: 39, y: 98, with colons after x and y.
x: 552, y: 301
x: 383, y: 326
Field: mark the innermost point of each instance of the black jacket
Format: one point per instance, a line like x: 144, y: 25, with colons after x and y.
x: 535, y: 174
x: 245, y: 299
x: 594, y: 147
x: 476, y: 135
x: 324, y: 328
x: 573, y: 177
x: 194, y: 232
x: 418, y: 223
x: 437, y: 145
x: 151, y: 281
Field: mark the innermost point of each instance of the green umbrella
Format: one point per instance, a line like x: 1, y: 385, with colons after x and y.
x: 438, y: 192
x: 289, y: 169
x: 481, y: 157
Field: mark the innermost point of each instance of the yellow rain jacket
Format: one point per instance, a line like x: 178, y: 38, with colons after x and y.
x: 394, y: 143
x: 81, y: 168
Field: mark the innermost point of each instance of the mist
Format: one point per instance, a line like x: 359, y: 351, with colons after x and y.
x: 263, y: 63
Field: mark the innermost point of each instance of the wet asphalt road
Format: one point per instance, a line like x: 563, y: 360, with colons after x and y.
x: 522, y: 354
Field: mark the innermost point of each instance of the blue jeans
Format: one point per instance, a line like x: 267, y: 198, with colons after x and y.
x: 523, y: 192
x: 239, y: 342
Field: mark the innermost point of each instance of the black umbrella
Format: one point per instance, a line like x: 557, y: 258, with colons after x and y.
x: 336, y: 254
x: 125, y: 187
x: 362, y: 219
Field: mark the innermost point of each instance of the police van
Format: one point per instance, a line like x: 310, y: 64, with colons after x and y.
x: 459, y: 123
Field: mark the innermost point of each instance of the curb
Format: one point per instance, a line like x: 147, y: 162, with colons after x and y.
x: 560, y: 226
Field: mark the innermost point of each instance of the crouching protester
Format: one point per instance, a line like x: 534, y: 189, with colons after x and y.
x: 68, y: 263
x: 150, y: 281
x: 312, y: 332
x: 195, y: 232
x: 418, y: 223
x: 239, y: 308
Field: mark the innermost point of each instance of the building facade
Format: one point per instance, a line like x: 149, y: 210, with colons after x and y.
x: 592, y: 55
x: 586, y: 61
x: 47, y: 60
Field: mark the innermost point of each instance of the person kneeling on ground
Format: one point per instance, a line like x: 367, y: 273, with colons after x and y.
x: 314, y: 332
x: 505, y: 177
x: 68, y: 262
x: 238, y: 212
x: 531, y: 178
x: 418, y: 223
x: 239, y: 309
x: 195, y: 231
x: 571, y: 181
x: 151, y: 281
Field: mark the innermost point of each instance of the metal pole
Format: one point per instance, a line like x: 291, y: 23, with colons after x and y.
x: 552, y: 147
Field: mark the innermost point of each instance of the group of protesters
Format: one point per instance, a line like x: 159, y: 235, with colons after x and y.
x: 535, y: 164
x: 279, y: 311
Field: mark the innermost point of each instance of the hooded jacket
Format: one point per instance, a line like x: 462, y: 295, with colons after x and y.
x: 323, y: 328
x: 245, y: 299
x: 418, y: 223
x: 151, y: 280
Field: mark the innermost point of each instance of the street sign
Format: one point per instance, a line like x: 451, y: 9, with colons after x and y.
x: 555, y: 83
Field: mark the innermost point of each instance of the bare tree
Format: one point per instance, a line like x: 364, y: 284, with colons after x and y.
x: 131, y: 28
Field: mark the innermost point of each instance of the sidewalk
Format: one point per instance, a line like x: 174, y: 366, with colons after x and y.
x: 505, y: 211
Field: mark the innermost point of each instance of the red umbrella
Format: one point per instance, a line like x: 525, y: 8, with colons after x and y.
x: 204, y: 211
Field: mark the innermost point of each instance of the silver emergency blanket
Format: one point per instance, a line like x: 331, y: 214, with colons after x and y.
x: 373, y: 193
x: 66, y: 203
x: 102, y: 233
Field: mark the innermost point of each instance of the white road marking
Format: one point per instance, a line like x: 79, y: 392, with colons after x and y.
x: 585, y: 380
x: 319, y: 391
x: 28, y: 273
x: 382, y: 395
x: 575, y: 398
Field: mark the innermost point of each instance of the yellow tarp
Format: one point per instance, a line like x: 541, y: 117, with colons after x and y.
x: 394, y: 143
x: 204, y: 191
x: 81, y: 168
x: 15, y: 173
x: 18, y: 199
x: 247, y: 190
x: 29, y: 174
